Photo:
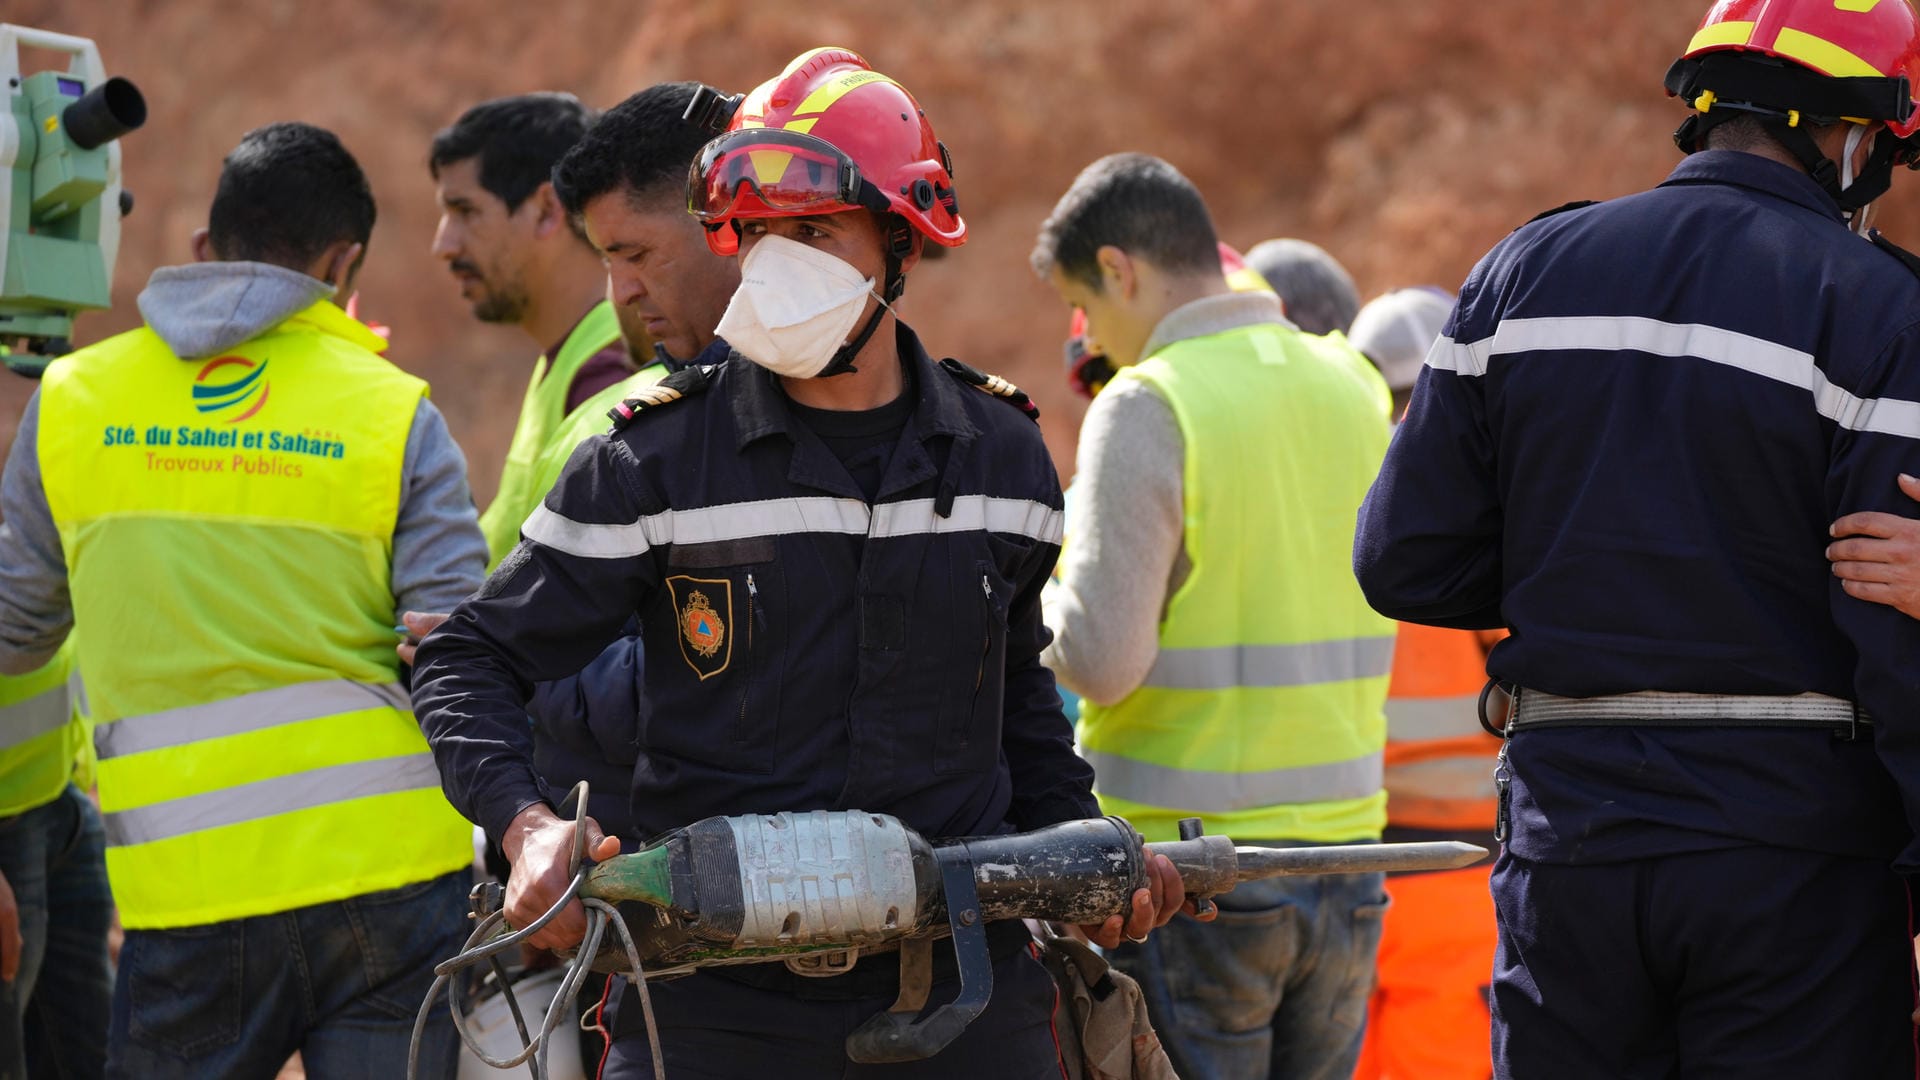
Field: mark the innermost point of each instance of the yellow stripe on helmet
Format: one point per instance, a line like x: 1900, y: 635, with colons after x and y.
x: 1726, y: 33
x: 1822, y: 55
x: 823, y: 97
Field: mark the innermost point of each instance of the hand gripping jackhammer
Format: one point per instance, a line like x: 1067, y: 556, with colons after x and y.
x: 815, y: 889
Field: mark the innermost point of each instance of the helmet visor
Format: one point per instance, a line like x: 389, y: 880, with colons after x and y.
x: 767, y: 172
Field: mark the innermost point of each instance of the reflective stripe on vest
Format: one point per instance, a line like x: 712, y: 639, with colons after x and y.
x: 1229, y: 666
x: 41, y: 737
x: 1224, y: 792
x: 268, y: 798
x: 588, y: 419
x: 227, y: 524
x: 237, y: 715
x: 541, y: 412
x: 1425, y: 719
x: 1262, y: 711
x: 49, y: 710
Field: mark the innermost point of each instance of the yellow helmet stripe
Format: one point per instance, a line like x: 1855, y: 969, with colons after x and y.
x: 1726, y: 33
x: 823, y: 97
x: 1822, y: 55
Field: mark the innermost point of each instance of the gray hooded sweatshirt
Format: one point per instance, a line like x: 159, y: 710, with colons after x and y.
x: 439, y: 556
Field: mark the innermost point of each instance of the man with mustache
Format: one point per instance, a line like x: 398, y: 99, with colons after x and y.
x: 519, y: 260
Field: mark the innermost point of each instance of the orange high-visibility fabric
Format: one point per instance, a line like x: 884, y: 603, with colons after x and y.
x: 1428, y: 1018
x: 1439, y: 763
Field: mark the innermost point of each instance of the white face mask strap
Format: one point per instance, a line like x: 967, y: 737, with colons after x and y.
x: 1856, y: 133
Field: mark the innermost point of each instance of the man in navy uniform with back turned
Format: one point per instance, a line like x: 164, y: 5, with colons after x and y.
x: 1628, y: 448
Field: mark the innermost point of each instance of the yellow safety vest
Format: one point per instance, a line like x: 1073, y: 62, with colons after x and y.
x: 42, y: 740
x: 1262, y: 714
x: 228, y: 531
x: 542, y: 412
x: 589, y: 419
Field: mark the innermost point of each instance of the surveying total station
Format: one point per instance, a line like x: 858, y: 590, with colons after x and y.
x: 60, y: 196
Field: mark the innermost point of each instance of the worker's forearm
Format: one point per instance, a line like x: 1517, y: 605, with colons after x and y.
x: 1050, y: 782
x: 439, y: 554
x: 35, y: 610
x: 1429, y: 539
x: 547, y: 612
x: 1125, y: 526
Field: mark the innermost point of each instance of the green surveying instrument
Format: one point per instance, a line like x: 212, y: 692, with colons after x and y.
x: 60, y: 196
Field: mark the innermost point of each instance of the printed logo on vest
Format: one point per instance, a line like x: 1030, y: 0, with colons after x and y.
x: 704, y: 607
x: 231, y: 384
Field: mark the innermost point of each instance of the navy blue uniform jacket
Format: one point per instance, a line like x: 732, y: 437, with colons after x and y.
x: 805, y: 649
x: 1628, y: 446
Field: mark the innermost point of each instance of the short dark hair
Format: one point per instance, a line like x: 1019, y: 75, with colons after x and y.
x: 643, y: 144
x: 517, y: 140
x: 1137, y: 203
x: 1319, y: 293
x: 1748, y: 131
x: 287, y: 193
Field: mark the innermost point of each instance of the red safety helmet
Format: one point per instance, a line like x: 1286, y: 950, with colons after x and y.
x: 829, y: 134
x: 1875, y: 40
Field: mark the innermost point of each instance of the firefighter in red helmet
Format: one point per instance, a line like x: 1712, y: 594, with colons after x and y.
x: 1627, y: 446
x: 835, y: 547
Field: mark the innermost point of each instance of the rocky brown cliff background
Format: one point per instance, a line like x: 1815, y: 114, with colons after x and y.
x: 1406, y: 136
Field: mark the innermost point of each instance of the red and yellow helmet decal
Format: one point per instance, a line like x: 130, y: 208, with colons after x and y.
x: 1837, y: 38
x: 835, y: 96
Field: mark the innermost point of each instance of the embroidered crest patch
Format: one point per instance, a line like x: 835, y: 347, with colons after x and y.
x: 704, y: 610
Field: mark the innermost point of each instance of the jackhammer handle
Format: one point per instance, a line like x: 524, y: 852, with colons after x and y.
x: 1213, y: 864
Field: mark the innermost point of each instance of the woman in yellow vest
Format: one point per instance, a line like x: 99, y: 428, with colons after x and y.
x: 233, y: 500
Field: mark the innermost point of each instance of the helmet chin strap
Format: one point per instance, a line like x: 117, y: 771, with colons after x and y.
x: 899, y: 245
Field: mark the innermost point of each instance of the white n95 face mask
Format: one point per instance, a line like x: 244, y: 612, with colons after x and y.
x: 794, y: 308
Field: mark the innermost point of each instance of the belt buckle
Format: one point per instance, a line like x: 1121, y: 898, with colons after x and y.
x: 824, y: 965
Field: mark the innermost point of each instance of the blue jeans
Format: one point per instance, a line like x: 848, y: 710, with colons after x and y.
x: 339, y: 982
x: 54, y: 857
x: 1276, y: 987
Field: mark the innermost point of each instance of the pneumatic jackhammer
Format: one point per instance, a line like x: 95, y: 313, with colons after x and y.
x: 814, y: 889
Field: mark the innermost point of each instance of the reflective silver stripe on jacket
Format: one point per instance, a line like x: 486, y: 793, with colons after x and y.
x: 1426, y: 719
x: 1225, y: 667
x: 790, y: 517
x: 1209, y: 792
x: 1535, y: 707
x: 49, y: 710
x: 266, y: 798
x: 248, y: 712
x: 1629, y: 333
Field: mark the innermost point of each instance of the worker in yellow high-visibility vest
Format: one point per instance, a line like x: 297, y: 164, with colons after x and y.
x: 1207, y: 615
x: 55, y: 909
x: 519, y: 259
x: 233, y: 500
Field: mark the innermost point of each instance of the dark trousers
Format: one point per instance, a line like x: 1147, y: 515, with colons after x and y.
x: 1748, y: 962
x: 712, y: 1028
x: 340, y: 982
x: 53, y: 1015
